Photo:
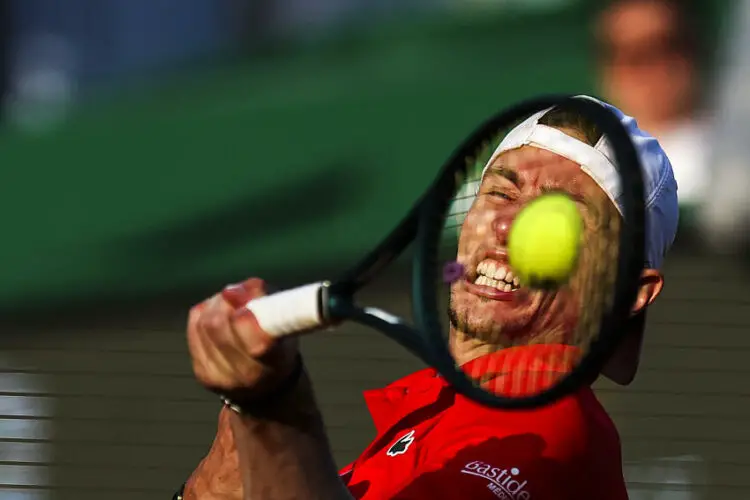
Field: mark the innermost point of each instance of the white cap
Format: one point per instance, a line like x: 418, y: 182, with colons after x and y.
x: 662, y: 212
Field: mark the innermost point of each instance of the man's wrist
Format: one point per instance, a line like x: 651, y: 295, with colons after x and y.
x: 179, y: 494
x: 279, y: 396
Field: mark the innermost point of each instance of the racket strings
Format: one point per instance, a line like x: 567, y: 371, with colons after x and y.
x: 598, y: 283
x: 521, y: 366
x: 517, y: 372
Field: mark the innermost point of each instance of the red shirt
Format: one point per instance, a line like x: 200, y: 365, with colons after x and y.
x: 434, y: 444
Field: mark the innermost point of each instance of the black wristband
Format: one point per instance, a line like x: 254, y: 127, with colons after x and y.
x: 179, y: 494
x: 242, y: 406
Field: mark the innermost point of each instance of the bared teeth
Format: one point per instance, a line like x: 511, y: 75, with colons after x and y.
x: 497, y: 275
x: 492, y: 270
x: 500, y: 273
x: 500, y: 285
x: 482, y: 267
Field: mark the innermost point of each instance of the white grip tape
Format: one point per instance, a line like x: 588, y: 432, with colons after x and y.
x: 289, y: 311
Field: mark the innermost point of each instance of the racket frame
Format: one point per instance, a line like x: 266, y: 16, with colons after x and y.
x: 630, y: 262
x: 334, y: 301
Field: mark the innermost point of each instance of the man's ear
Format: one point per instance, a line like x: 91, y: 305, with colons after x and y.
x: 623, y: 365
x: 652, y: 282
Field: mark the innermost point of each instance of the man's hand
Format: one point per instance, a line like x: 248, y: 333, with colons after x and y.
x: 231, y: 355
x: 281, y: 452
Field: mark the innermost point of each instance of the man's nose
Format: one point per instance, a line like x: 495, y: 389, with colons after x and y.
x: 501, y: 225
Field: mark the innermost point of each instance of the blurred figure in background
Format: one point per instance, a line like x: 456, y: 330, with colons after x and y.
x: 725, y: 217
x: 254, y: 21
x: 649, y: 63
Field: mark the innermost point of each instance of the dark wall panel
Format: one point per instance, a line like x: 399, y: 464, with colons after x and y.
x: 110, y: 408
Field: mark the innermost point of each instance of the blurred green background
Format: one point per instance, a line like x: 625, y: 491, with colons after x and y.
x: 153, y: 151
x: 177, y: 182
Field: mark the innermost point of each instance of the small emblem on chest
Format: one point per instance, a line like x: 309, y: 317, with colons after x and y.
x: 400, y: 446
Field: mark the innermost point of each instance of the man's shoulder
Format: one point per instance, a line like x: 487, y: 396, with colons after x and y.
x: 417, y: 377
x: 541, y: 451
x: 568, y: 425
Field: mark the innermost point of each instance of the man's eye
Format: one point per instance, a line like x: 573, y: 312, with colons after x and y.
x: 499, y: 194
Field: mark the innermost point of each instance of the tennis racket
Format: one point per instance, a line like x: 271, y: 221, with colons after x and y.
x: 497, y: 340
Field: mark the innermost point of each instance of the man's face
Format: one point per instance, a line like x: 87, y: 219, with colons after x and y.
x: 502, y: 311
x: 644, y: 69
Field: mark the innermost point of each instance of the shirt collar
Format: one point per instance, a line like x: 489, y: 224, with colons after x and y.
x: 420, y: 389
x: 523, y: 370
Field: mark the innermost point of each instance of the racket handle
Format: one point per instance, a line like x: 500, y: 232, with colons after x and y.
x: 296, y: 310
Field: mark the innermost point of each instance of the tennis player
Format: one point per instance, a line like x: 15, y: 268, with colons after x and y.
x: 432, y: 443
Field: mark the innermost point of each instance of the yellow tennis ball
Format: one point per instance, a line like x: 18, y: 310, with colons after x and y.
x: 545, y: 240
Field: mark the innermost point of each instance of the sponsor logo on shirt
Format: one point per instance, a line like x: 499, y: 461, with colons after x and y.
x: 504, y: 483
x: 400, y: 446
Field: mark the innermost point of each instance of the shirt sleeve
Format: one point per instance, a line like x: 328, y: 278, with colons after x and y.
x: 604, y: 478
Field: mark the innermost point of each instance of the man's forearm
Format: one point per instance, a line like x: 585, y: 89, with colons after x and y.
x: 283, y: 451
x: 217, y: 477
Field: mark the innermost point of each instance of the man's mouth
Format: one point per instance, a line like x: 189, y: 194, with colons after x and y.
x: 497, y: 275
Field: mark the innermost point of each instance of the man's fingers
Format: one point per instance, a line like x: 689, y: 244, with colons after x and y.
x: 241, y: 293
x: 236, y: 295
x: 229, y: 349
x: 220, y: 373
x: 248, y: 333
x: 209, y: 369
x: 225, y: 342
x: 224, y: 360
x: 195, y: 344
